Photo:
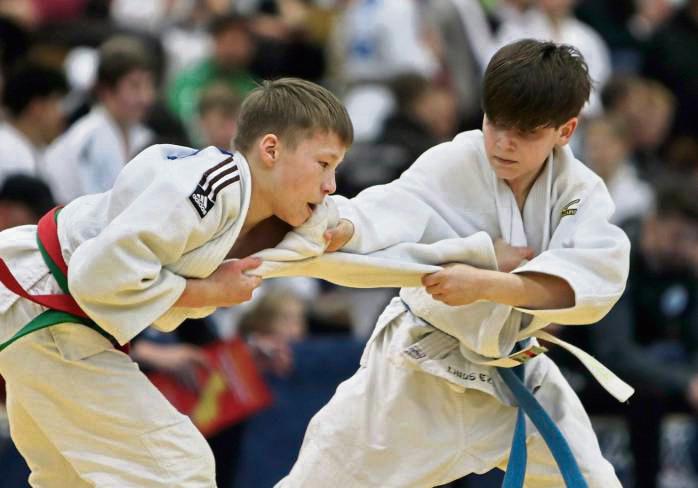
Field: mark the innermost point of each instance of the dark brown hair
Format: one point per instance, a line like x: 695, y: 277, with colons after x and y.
x: 530, y: 84
x: 119, y: 56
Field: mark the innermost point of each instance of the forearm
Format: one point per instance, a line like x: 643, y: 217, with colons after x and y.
x: 197, y: 293
x: 527, y: 290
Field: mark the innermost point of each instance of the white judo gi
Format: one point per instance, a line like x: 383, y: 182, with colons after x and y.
x: 92, y: 152
x: 427, y: 406
x: 81, y: 412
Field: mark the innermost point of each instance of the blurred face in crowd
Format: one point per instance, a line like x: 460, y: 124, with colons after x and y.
x: 130, y: 99
x: 604, y: 149
x: 13, y: 214
x: 290, y: 323
x: 218, y: 128
x: 516, y: 156
x: 438, y: 110
x: 233, y: 48
x: 556, y: 8
x: 654, y: 120
x: 669, y: 242
x: 49, y: 116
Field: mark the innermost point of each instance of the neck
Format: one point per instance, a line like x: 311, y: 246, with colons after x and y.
x: 556, y: 20
x: 260, y: 208
x: 122, y: 126
x: 520, y: 187
x: 30, y: 130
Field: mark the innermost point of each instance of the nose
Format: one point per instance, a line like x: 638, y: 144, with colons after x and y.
x: 329, y: 185
x: 504, y: 141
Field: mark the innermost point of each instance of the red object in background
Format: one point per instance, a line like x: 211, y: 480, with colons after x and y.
x: 59, y: 10
x: 230, y: 391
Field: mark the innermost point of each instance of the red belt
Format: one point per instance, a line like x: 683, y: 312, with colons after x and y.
x: 62, y: 308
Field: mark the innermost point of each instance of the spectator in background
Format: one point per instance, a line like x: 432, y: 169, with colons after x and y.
x: 626, y: 25
x: 290, y: 35
x: 89, y: 156
x: 607, y: 145
x: 233, y: 51
x: 276, y: 322
x: 647, y: 108
x: 23, y: 200
x: 671, y: 59
x: 463, y: 39
x: 218, y: 110
x: 424, y: 115
x: 32, y: 97
x: 374, y: 41
x: 554, y: 20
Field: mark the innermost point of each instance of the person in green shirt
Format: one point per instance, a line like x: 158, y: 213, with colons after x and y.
x: 233, y: 51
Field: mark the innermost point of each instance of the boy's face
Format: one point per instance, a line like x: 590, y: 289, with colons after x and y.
x: 603, y: 149
x: 50, y: 117
x: 304, y: 175
x: 131, y: 98
x: 290, y: 322
x: 218, y: 128
x: 517, y: 156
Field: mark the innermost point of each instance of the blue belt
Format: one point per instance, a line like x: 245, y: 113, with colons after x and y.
x: 528, y: 405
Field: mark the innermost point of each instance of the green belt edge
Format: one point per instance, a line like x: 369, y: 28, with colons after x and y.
x: 53, y: 317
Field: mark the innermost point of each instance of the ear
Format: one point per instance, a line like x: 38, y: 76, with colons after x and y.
x: 566, y: 131
x: 269, y: 149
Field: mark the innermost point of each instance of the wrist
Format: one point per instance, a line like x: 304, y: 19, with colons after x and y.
x: 195, y: 294
x: 500, y: 287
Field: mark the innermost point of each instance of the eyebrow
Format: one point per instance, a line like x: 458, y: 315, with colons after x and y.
x: 329, y: 154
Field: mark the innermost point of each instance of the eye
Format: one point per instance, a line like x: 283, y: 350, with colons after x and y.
x: 324, y: 164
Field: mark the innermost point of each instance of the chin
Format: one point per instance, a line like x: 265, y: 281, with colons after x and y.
x: 504, y: 175
x: 295, y: 221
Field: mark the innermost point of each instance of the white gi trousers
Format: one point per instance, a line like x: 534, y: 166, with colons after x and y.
x: 393, y: 427
x: 82, y: 413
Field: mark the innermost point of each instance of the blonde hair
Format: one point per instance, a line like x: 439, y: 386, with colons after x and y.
x: 291, y: 108
x: 259, y: 319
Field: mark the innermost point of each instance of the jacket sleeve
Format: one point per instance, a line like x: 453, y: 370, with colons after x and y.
x: 590, y: 254
x: 120, y: 276
x: 421, y: 206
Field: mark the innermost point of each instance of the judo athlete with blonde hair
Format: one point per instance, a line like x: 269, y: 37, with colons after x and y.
x: 437, y: 396
x: 149, y: 251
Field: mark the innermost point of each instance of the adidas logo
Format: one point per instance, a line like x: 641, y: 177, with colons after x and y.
x: 215, y: 179
x: 201, y: 201
x: 202, y: 204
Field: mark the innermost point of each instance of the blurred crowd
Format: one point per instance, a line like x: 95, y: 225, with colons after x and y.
x: 87, y: 84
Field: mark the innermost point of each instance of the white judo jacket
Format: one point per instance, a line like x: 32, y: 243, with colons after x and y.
x: 450, y: 191
x: 173, y: 213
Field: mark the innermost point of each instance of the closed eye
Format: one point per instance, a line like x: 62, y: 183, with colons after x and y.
x: 324, y: 164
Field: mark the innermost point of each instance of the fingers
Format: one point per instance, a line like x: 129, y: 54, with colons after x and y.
x: 431, y: 279
x: 254, y: 281
x: 338, y: 236
x: 249, y: 262
x: 526, y: 252
x: 330, y: 239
